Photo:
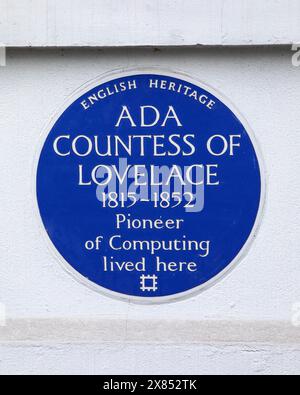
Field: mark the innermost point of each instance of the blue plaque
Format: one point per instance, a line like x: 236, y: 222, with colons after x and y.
x: 149, y: 185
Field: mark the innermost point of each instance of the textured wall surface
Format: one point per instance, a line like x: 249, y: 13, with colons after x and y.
x: 245, y: 324
x: 54, y: 23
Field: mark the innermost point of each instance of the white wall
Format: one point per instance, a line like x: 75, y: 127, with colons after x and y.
x: 243, y: 324
x: 115, y: 23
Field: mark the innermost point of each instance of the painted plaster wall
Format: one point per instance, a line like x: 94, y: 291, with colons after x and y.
x: 247, y: 323
x: 41, y: 23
